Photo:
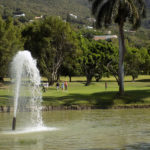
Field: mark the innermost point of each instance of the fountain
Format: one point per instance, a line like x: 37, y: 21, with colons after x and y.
x: 27, y: 92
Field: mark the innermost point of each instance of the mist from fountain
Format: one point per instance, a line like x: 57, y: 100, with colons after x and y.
x: 27, y: 92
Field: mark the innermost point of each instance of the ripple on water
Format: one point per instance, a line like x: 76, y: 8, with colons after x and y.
x: 30, y: 130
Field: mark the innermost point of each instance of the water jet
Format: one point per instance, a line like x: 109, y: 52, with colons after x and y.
x: 27, y: 91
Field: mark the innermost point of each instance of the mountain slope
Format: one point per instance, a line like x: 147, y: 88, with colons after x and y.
x: 47, y: 7
x: 32, y: 8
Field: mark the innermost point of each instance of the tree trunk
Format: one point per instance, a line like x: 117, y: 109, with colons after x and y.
x: 133, y: 78
x: 88, y: 79
x: 69, y: 78
x: 51, y: 80
x: 1, y: 79
x: 58, y: 77
x: 121, y: 60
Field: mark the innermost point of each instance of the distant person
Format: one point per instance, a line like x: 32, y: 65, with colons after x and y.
x: 57, y: 86
x: 62, y: 86
x: 66, y: 85
x: 43, y: 88
x: 105, y: 85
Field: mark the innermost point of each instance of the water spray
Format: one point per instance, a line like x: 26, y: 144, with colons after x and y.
x: 26, y: 75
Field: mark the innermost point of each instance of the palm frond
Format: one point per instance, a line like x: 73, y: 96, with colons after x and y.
x: 119, y: 11
x: 95, y: 4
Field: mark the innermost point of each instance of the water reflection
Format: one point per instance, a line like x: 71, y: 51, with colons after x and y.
x: 82, y: 130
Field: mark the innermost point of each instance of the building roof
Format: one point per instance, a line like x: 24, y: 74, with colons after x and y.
x: 104, y: 37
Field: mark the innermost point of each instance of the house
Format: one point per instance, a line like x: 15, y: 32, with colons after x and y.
x: 92, y: 20
x: 129, y: 31
x: 104, y: 37
x: 38, y: 17
x: 89, y: 27
x: 73, y: 16
x: 31, y: 20
x: 20, y: 15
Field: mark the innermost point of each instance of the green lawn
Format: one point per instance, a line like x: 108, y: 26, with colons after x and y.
x: 137, y: 92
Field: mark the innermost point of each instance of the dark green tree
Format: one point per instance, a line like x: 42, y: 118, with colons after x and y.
x: 133, y: 61
x: 70, y: 68
x: 96, y: 55
x: 10, y: 43
x: 119, y: 11
x: 50, y: 41
x: 145, y: 65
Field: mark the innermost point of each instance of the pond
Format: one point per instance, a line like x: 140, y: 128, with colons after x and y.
x: 80, y: 130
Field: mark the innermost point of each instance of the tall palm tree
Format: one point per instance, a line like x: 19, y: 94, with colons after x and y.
x: 107, y: 12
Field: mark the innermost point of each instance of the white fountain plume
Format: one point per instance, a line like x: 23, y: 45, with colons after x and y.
x: 27, y: 82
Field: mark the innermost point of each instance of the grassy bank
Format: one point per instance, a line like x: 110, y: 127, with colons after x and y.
x: 137, y: 92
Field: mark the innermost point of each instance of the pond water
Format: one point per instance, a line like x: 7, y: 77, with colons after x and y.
x: 80, y: 130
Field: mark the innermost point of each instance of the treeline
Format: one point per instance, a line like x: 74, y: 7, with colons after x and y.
x: 63, y: 50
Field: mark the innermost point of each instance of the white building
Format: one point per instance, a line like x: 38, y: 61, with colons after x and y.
x: 73, y: 16
x: 20, y: 15
x: 91, y: 20
x: 38, y: 17
x: 89, y: 27
x: 104, y: 37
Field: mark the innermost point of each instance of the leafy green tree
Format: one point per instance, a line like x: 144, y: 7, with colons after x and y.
x: 112, y: 66
x: 145, y: 65
x: 50, y: 41
x: 70, y: 68
x: 133, y: 61
x: 137, y: 61
x: 119, y: 11
x: 10, y: 43
x: 96, y: 55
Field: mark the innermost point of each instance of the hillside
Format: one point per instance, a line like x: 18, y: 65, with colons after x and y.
x: 46, y: 7
x: 33, y: 8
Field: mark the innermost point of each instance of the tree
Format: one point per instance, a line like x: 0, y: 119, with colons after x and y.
x: 96, y: 55
x: 112, y: 66
x: 50, y: 41
x: 133, y: 61
x: 145, y: 65
x: 71, y: 66
x: 119, y: 11
x: 10, y: 43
